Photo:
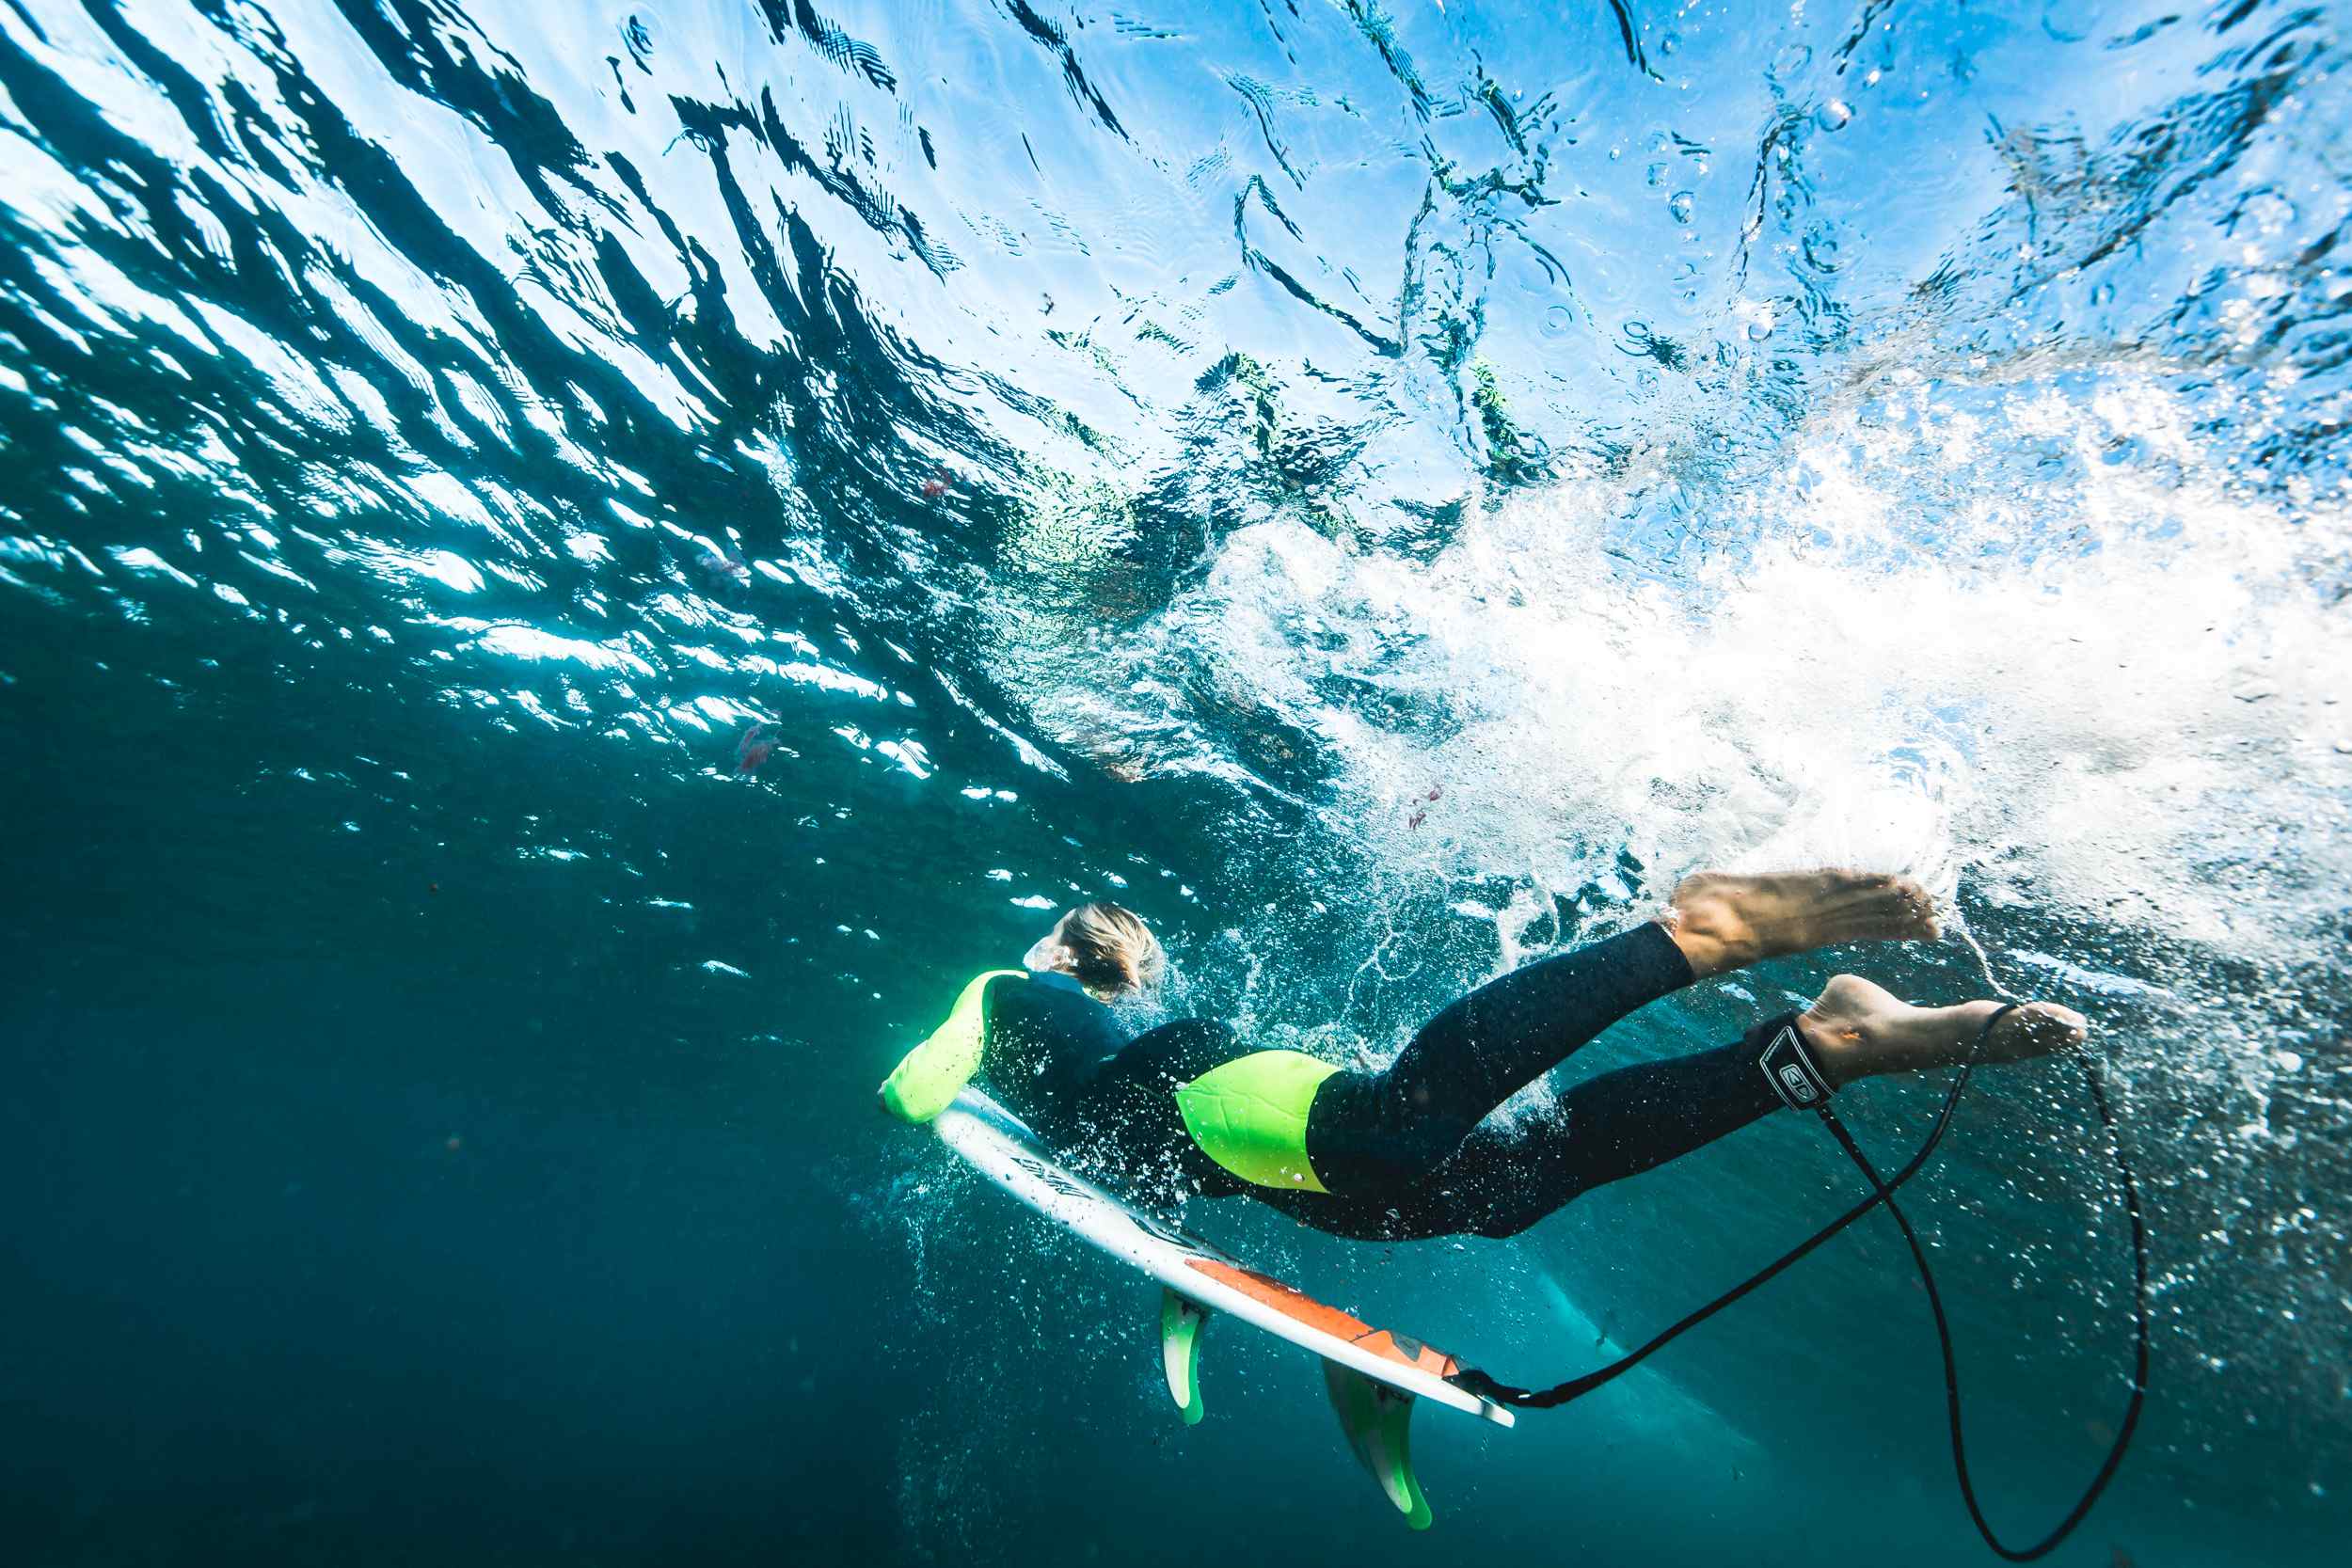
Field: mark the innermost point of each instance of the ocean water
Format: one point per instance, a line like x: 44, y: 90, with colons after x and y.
x: 568, y: 572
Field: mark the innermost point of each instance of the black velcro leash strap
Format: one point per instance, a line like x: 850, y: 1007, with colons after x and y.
x: 1791, y: 1072
x: 1801, y: 1084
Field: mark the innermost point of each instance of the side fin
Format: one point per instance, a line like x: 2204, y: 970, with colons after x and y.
x: 1180, y: 1350
x: 1378, y: 1422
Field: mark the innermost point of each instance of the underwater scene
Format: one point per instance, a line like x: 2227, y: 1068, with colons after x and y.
x: 570, y: 574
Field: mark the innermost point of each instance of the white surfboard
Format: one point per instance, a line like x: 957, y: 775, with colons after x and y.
x: 1372, y: 1374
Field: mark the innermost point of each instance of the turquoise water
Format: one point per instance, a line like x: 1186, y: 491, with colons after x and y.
x: 566, y: 574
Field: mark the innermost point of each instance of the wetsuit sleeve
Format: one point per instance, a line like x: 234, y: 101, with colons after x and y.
x: 927, y: 1079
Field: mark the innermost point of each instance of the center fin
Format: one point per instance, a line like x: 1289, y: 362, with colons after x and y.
x: 1378, y: 1422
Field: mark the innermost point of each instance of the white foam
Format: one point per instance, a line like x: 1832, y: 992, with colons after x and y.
x: 2114, y: 691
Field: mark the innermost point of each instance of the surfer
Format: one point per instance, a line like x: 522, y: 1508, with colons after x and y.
x: 1408, y: 1151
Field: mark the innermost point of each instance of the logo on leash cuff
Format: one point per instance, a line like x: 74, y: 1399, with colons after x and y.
x: 1789, y: 1069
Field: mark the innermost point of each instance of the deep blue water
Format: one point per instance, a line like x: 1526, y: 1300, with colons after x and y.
x: 1384, y: 490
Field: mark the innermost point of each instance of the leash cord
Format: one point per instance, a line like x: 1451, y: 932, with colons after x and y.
x: 1882, y: 1192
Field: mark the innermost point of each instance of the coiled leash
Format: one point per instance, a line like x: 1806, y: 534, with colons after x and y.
x: 1801, y: 1084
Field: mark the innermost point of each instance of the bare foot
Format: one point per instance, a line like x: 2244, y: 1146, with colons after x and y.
x: 1859, y: 1030
x: 1724, y: 922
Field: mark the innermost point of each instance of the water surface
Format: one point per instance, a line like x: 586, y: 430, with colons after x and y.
x: 567, y: 573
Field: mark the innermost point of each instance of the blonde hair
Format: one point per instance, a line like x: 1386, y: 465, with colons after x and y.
x: 1110, y: 948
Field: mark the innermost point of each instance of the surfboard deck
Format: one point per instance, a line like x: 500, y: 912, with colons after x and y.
x: 1193, y: 1273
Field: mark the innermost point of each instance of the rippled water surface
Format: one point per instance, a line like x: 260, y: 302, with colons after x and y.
x: 567, y: 573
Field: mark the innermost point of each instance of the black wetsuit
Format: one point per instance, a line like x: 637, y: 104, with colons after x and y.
x: 1408, y: 1152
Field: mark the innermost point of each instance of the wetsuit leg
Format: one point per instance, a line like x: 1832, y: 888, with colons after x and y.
x: 1507, y: 1176
x: 1381, y: 1132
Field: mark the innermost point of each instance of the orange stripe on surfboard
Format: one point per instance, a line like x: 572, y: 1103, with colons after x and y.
x: 1301, y: 1307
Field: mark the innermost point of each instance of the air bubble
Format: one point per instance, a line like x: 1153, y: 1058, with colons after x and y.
x: 1832, y: 116
x: 1791, y: 62
x: 2060, y: 23
x: 641, y: 32
x: 1823, y: 248
x: 2269, y: 213
x: 1683, y: 204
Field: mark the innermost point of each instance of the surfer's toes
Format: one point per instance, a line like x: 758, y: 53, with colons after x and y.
x: 2035, y: 1029
x: 1864, y: 905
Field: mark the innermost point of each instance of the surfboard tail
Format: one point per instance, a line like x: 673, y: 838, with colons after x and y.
x: 1374, y: 1376
x: 1378, y: 1418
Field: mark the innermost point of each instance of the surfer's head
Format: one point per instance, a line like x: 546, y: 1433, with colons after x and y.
x: 1108, y: 949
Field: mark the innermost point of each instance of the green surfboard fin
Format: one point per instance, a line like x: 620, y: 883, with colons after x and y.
x: 1179, y: 1352
x: 1378, y: 1422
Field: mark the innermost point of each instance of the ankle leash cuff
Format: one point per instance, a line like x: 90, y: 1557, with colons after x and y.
x: 1791, y: 1071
